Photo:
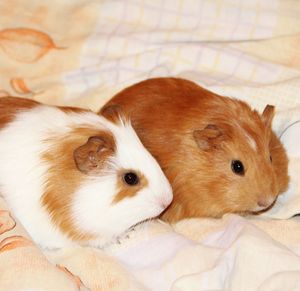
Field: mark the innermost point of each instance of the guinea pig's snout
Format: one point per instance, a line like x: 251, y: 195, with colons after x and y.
x: 165, y: 203
x: 265, y: 202
x: 165, y: 200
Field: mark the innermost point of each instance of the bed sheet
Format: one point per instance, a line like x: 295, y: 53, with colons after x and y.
x: 81, y: 52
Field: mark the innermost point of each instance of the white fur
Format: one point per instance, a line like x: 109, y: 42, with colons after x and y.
x: 112, y: 219
x: 22, y: 177
x: 251, y: 142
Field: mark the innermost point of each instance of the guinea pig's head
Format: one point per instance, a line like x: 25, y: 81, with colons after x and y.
x: 238, y: 164
x: 123, y: 184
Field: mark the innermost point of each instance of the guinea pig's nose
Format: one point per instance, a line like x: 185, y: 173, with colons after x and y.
x: 265, y: 202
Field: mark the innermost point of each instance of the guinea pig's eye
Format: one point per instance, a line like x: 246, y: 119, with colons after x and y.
x: 271, y: 160
x: 131, y: 178
x: 237, y: 167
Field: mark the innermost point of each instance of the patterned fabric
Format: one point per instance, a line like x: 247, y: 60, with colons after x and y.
x: 80, y: 53
x: 22, y: 264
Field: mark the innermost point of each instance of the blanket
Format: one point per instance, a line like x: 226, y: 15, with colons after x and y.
x: 80, y: 53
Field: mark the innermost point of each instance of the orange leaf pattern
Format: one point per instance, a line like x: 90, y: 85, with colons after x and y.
x: 14, y: 242
x: 25, y: 44
x: 20, y: 86
x: 76, y: 279
x: 7, y: 223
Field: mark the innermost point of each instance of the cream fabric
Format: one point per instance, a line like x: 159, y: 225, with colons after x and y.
x: 81, y: 52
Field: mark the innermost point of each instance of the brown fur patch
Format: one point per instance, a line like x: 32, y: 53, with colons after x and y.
x: 115, y: 114
x: 166, y: 111
x: 64, y: 179
x: 69, y: 109
x: 126, y: 191
x: 10, y: 106
x: 280, y: 162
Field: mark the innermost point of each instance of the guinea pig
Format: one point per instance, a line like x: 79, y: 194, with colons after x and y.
x: 73, y: 177
x: 219, y: 155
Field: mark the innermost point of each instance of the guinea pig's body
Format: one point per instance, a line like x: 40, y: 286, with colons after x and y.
x: 219, y: 155
x: 73, y: 177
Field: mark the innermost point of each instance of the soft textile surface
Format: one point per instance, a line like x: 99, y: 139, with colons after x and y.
x: 81, y: 52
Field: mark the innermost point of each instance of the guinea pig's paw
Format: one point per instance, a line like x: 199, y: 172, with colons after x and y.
x: 122, y: 239
x: 7, y: 223
x: 139, y: 232
x: 127, y: 235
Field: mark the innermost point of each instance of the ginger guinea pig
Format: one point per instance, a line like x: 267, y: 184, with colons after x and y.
x: 73, y: 177
x: 219, y: 155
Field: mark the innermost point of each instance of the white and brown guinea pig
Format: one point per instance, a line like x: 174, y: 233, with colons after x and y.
x: 73, y: 177
x: 219, y: 155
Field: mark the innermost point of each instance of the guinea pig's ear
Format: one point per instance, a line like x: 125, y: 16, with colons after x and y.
x: 267, y: 115
x: 209, y: 137
x: 90, y: 157
x: 114, y: 113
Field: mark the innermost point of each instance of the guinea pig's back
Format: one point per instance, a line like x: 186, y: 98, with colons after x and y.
x: 10, y: 106
x: 165, y: 111
x: 19, y: 144
x: 172, y: 96
x: 152, y: 106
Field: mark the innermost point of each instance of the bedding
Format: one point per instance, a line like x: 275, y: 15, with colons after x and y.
x: 80, y: 53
